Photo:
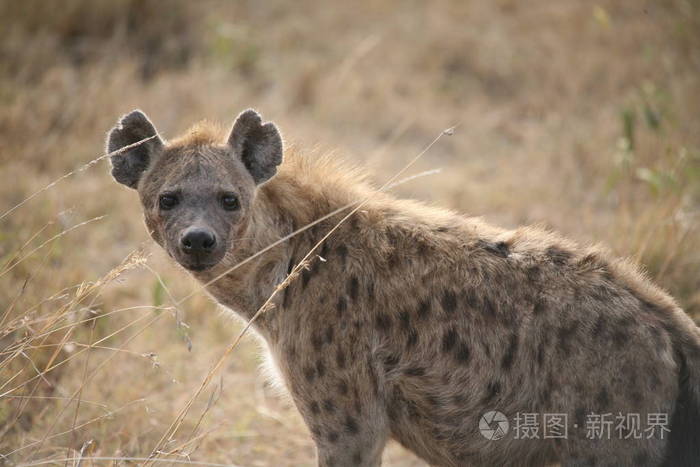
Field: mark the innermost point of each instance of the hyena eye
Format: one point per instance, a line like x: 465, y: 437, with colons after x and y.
x: 167, y: 201
x: 229, y: 201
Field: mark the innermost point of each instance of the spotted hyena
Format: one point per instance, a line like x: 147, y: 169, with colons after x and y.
x: 412, y: 323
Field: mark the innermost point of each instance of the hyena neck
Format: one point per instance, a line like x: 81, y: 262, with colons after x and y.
x: 290, y: 201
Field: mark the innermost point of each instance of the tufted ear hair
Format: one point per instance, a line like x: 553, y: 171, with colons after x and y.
x: 257, y: 144
x: 129, y: 165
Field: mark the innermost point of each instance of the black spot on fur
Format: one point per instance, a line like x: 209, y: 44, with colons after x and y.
x: 382, y: 322
x: 316, y: 341
x: 487, y: 348
x: 433, y: 400
x: 626, y: 321
x: 546, y: 395
x: 287, y: 299
x: 397, y: 402
x: 329, y: 335
x: 405, y: 319
x: 342, y: 251
x: 314, y: 407
x: 472, y: 299
x: 539, y: 307
x: 320, y: 368
x: 415, y: 371
x: 305, y: 278
x: 498, y: 249
x: 357, y: 458
x: 353, y: 287
x: 342, y: 305
x: 462, y: 353
x: 449, y: 301
x: 565, y: 334
x: 541, y: 350
x: 511, y: 351
x: 599, y: 326
x: 394, y: 259
x: 422, y: 249
x: 412, y: 339
x: 559, y: 256
x: 333, y: 436
x: 316, y: 431
x: 374, y: 381
x: 390, y: 362
x: 493, y: 390
x: 619, y: 338
x: 423, y: 308
x: 488, y: 307
x: 328, y: 406
x: 351, y: 425
x: 309, y: 373
x: 324, y: 250
x: 343, y: 387
x: 287, y: 293
x: 449, y: 339
x: 340, y: 358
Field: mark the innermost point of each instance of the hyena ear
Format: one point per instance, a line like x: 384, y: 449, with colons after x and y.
x: 257, y: 144
x: 129, y: 165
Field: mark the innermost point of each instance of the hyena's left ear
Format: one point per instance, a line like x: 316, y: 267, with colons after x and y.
x: 257, y: 144
x: 129, y: 165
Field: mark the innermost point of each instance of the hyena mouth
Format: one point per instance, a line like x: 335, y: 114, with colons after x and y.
x: 197, y: 267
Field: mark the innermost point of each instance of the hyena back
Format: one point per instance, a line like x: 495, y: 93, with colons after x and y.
x: 411, y: 323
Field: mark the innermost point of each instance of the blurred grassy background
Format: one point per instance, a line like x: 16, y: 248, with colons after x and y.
x: 583, y: 116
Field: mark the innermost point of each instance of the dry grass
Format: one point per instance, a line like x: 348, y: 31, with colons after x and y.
x: 581, y: 116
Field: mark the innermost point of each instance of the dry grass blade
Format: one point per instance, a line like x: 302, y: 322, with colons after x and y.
x: 68, y: 359
x: 82, y: 293
x: 36, y: 444
x: 88, y: 378
x: 55, y: 237
x: 71, y: 173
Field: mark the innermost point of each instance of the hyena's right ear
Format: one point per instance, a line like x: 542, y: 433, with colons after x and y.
x: 129, y: 165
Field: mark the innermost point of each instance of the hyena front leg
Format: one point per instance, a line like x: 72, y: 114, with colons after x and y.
x: 347, y: 431
x: 338, y: 397
x: 349, y: 445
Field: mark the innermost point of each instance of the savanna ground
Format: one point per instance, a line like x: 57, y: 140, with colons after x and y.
x: 583, y: 116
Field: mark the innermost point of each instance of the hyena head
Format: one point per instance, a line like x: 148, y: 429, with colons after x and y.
x: 196, y: 193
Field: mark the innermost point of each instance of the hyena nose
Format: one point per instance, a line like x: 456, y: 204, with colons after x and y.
x: 197, y: 240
